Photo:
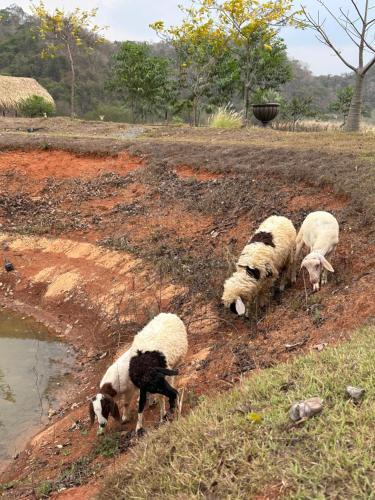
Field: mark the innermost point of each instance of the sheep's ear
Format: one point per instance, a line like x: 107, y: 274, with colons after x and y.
x: 92, y: 413
x: 114, y: 410
x: 326, y: 264
x: 240, y: 307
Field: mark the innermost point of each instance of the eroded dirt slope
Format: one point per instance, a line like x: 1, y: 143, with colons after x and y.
x: 103, y: 244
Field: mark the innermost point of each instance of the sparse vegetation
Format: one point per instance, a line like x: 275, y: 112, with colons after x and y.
x: 217, y: 451
x: 44, y: 489
x: 107, y: 445
x: 75, y: 474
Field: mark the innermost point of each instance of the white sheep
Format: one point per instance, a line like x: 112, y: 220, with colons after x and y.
x: 320, y: 233
x: 156, y: 350
x: 115, y: 382
x: 266, y: 258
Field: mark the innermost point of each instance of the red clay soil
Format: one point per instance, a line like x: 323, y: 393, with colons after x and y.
x: 164, y: 248
x: 40, y: 165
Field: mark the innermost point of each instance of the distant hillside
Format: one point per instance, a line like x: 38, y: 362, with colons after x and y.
x: 19, y: 56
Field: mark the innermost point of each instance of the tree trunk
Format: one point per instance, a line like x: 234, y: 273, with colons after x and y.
x: 246, y: 102
x: 73, y: 82
x: 354, y: 116
x: 195, y: 112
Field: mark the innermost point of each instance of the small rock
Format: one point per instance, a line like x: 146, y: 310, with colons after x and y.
x: 59, y: 446
x: 51, y: 413
x: 305, y: 409
x: 355, y: 393
x: 320, y: 347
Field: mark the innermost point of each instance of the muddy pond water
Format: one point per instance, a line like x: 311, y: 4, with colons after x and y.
x: 34, y: 364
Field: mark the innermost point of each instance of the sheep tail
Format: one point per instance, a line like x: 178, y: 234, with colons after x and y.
x: 166, y: 371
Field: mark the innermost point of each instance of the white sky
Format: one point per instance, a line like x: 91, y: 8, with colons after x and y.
x: 130, y: 19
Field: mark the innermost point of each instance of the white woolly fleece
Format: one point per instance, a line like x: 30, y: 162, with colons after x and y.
x: 319, y: 232
x: 118, y: 375
x: 261, y: 256
x: 165, y: 333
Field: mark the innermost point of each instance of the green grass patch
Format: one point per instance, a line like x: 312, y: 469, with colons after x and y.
x: 220, y: 451
x: 107, y: 445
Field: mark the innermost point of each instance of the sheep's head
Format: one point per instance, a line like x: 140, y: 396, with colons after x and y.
x: 101, y: 406
x: 239, y: 289
x: 314, y: 263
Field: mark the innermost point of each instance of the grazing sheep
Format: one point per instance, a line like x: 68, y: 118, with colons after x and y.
x: 155, y: 352
x: 320, y: 233
x: 267, y: 257
x: 115, y: 382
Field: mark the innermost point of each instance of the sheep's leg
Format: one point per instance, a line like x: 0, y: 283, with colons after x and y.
x: 141, y: 407
x: 162, y: 407
x: 299, y: 245
x: 162, y: 401
x: 126, y: 411
x: 170, y: 392
x: 290, y: 267
x: 324, y: 277
x: 283, y: 280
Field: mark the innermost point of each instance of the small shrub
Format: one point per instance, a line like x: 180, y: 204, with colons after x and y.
x: 109, y: 113
x: 44, y: 489
x: 226, y: 117
x: 177, y: 120
x: 264, y: 96
x: 35, y: 106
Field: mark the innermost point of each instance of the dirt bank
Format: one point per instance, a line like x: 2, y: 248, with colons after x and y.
x: 101, y: 244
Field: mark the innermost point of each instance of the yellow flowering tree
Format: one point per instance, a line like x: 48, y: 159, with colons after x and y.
x: 247, y: 28
x: 250, y: 28
x: 64, y: 33
x: 199, y: 49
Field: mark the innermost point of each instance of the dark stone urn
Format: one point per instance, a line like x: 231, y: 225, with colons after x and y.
x: 267, y: 112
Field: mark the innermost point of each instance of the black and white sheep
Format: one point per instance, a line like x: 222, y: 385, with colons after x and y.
x: 267, y: 258
x: 320, y: 233
x: 115, y: 382
x: 154, y: 354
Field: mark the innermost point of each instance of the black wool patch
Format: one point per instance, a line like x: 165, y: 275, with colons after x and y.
x: 253, y: 272
x: 263, y: 237
x: 143, y: 370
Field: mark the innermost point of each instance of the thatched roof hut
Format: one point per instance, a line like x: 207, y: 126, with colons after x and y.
x: 14, y: 89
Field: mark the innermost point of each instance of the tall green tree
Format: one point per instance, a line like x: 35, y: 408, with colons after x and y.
x: 342, y: 103
x: 198, y: 51
x: 142, y: 80
x: 248, y: 29
x: 65, y: 33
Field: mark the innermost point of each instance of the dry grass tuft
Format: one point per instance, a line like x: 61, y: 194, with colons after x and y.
x: 226, y: 117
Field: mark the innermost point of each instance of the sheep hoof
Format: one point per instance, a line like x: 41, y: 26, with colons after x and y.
x: 140, y: 432
x: 168, y: 416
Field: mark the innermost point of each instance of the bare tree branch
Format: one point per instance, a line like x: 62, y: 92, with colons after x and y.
x: 369, y: 65
x: 317, y: 26
x: 358, y: 11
